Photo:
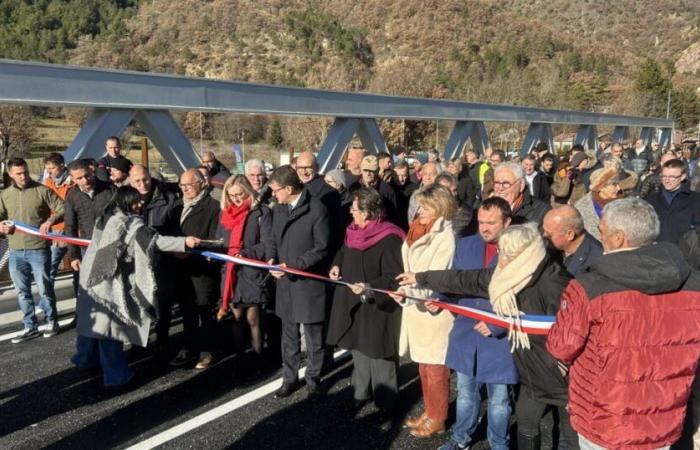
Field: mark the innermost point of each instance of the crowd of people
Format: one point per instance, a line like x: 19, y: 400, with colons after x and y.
x: 605, y: 241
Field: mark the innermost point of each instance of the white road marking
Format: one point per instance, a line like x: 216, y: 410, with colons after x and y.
x: 7, y: 337
x: 221, y: 410
x: 62, y: 307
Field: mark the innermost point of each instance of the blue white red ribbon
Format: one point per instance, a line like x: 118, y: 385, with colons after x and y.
x: 530, y: 324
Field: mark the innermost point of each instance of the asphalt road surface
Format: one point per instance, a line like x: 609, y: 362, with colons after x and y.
x: 45, y: 402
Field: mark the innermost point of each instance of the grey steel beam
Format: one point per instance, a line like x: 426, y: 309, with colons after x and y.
x: 463, y: 132
x: 338, y: 138
x: 371, y: 137
x: 480, y: 140
x: 647, y: 135
x: 536, y: 133
x: 587, y: 135
x: 102, y: 123
x: 43, y: 84
x: 161, y: 128
x: 621, y: 133
x: 340, y: 135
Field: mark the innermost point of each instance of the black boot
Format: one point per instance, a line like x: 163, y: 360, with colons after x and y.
x: 528, y: 442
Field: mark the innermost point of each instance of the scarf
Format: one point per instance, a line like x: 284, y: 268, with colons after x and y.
x: 117, y: 272
x: 363, y: 238
x: 507, y: 282
x: 233, y: 219
x: 417, y: 230
x: 518, y: 203
x: 188, y: 205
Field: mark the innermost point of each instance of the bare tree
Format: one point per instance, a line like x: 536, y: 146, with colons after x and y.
x: 18, y: 130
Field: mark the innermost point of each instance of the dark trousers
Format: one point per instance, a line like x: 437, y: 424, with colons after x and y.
x: 375, y: 376
x: 199, y: 326
x: 291, y: 352
x: 165, y: 314
x: 529, y: 411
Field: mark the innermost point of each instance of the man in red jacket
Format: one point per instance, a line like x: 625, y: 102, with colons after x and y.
x: 630, y: 328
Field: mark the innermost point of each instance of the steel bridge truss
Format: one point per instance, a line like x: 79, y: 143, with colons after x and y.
x: 117, y: 97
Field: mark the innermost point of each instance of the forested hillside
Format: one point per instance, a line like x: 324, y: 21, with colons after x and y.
x: 622, y: 56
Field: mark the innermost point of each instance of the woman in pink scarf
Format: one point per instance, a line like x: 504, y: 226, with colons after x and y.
x: 361, y: 321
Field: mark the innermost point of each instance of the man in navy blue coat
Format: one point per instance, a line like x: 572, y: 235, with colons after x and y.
x: 480, y: 353
x: 676, y: 205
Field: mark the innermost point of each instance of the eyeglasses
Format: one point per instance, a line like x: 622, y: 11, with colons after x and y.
x: 275, y: 191
x: 189, y: 185
x: 671, y: 177
x: 304, y: 168
x: 503, y: 184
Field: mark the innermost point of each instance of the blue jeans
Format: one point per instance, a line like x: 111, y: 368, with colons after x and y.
x: 109, y: 354
x: 26, y: 265
x: 468, y: 405
x: 585, y: 444
x: 57, y: 254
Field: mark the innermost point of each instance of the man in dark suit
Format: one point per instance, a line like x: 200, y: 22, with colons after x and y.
x: 301, y: 234
x: 307, y: 171
x: 199, y: 280
x: 537, y: 182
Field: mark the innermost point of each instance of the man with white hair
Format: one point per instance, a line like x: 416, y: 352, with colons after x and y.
x: 509, y: 184
x: 255, y: 173
x: 628, y: 328
x: 429, y: 172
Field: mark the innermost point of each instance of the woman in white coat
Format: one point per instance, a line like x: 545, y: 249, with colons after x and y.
x: 429, y: 245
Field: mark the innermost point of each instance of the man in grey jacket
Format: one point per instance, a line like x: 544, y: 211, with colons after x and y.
x: 34, y: 204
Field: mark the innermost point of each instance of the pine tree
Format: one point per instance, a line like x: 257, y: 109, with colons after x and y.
x: 274, y: 134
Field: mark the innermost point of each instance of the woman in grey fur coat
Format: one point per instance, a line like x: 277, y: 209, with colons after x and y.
x: 116, y: 299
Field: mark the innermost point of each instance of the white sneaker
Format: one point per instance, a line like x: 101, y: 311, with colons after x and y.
x: 27, y: 334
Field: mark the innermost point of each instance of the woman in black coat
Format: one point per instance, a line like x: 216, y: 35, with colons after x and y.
x: 364, y: 322
x: 245, y: 228
x: 527, y: 270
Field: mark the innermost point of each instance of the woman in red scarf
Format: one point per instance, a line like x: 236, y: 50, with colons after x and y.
x: 246, y: 229
x: 365, y: 323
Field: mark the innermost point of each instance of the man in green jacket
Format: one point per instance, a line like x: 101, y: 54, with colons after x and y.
x: 32, y: 203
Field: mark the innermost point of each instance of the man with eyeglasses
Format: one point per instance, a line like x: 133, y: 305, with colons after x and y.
x: 307, y: 171
x: 301, y: 235
x: 199, y: 281
x: 509, y: 184
x: 255, y: 173
x: 676, y: 205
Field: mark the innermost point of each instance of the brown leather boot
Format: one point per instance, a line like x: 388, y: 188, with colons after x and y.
x: 415, y: 422
x: 428, y: 428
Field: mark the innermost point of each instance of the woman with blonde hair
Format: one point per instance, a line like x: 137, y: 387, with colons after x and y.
x: 429, y: 245
x: 527, y: 280
x: 246, y: 230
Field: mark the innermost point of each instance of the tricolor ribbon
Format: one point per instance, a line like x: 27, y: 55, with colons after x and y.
x: 531, y: 324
